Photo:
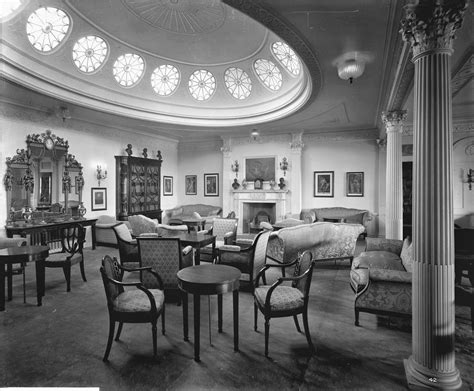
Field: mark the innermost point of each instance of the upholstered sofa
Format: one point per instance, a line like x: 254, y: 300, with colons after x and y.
x: 325, y: 240
x: 104, y: 233
x: 381, y: 278
x: 140, y: 224
x: 176, y: 215
x: 337, y: 214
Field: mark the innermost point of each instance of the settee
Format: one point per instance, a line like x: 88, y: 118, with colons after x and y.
x: 176, y: 215
x: 337, y: 214
x: 325, y: 240
x: 381, y: 278
x: 104, y: 234
x: 140, y: 224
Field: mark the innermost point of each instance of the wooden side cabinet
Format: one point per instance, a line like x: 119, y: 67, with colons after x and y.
x: 139, y: 190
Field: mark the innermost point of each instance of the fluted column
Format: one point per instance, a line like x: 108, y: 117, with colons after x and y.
x: 393, y: 121
x: 430, y: 28
x: 296, y: 184
x: 227, y: 176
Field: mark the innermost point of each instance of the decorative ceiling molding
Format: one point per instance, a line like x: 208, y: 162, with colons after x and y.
x: 460, y: 127
x: 336, y: 115
x: 464, y: 72
x: 361, y: 135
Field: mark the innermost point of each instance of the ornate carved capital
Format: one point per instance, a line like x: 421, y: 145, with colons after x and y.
x: 226, y: 146
x: 297, y: 143
x: 430, y: 27
x: 393, y: 120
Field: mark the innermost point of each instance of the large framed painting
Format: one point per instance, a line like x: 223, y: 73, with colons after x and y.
x: 323, y: 183
x: 355, y: 184
x: 262, y: 168
x: 167, y: 185
x: 99, y: 198
x: 191, y: 184
x: 211, y: 185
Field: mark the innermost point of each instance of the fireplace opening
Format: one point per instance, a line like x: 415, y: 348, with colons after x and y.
x: 256, y: 212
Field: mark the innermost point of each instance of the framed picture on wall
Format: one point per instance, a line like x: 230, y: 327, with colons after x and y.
x: 262, y: 168
x: 191, y: 184
x: 99, y: 198
x: 211, y: 185
x: 167, y: 185
x: 323, y: 184
x: 354, y: 184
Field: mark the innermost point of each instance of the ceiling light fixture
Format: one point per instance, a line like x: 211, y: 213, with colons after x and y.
x: 255, y: 135
x: 350, y: 69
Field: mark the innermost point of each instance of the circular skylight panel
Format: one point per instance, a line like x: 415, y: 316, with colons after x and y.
x: 202, y: 84
x: 287, y: 57
x: 238, y: 83
x: 268, y: 73
x: 165, y: 79
x: 128, y: 69
x: 47, y: 27
x: 89, y: 53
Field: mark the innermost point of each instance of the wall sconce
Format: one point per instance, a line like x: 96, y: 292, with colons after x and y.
x: 470, y: 177
x: 101, y: 175
x: 235, y: 168
x: 284, y: 165
x: 63, y: 113
x: 255, y: 135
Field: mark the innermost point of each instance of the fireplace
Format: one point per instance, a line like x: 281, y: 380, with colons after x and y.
x: 252, y: 212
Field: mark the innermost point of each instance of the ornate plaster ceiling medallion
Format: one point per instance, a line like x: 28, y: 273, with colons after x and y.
x: 179, y: 16
x: 89, y: 53
x: 46, y: 28
x: 165, y: 79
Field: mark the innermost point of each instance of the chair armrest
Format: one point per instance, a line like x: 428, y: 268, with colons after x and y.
x: 134, y: 269
x: 229, y: 234
x: 245, y: 242
x: 267, y: 266
x: 390, y: 275
x: 105, y: 225
x: 229, y: 247
x: 187, y: 250
x: 205, y: 231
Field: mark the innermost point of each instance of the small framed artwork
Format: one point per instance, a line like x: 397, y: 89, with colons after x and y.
x: 323, y: 183
x: 191, y: 184
x: 258, y: 184
x: 167, y: 185
x: 355, y: 184
x: 99, y: 198
x: 211, y: 185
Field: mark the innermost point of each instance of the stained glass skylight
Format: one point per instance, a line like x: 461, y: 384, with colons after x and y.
x: 238, y: 83
x: 47, y: 27
x: 89, y: 53
x: 287, y: 57
x: 268, y: 73
x: 128, y: 69
x: 202, y: 84
x: 165, y: 79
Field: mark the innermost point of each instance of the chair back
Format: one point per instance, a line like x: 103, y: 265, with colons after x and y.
x: 73, y: 238
x: 222, y: 226
x: 304, y: 268
x: 141, y: 224
x: 260, y: 254
x: 122, y: 233
x: 164, y: 256
x: 110, y: 269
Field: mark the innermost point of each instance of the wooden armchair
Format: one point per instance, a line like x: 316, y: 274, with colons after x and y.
x: 128, y: 247
x: 225, y: 231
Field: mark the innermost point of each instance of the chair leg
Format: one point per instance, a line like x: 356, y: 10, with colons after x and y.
x: 23, y: 267
x: 119, y: 331
x: 163, y: 321
x: 356, y: 313
x: 153, y: 331
x: 67, y: 274
x: 267, y: 332
x: 110, y: 339
x: 295, y: 318
x: 83, y: 272
x: 255, y: 315
x: 306, y: 331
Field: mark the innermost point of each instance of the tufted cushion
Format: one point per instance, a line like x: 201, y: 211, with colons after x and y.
x: 283, y: 297
x: 407, y: 255
x: 136, y: 300
x: 378, y: 260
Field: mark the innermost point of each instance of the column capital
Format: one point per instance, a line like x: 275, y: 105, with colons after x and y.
x: 429, y: 26
x: 226, y: 146
x: 297, y: 144
x: 393, y: 120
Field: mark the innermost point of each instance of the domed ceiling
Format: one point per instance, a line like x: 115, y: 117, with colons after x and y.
x: 183, y: 64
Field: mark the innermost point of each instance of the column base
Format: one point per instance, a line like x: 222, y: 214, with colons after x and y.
x: 419, y: 377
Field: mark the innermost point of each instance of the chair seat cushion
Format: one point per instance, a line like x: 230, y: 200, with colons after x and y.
x: 135, y: 300
x: 378, y: 260
x: 283, y: 298
x: 61, y: 257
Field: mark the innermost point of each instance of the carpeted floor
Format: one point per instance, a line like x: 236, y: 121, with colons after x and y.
x: 61, y: 344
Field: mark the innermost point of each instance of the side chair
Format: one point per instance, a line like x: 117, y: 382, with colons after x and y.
x: 144, y: 304
x: 127, y: 246
x: 225, y: 231
x: 278, y: 300
x: 71, y: 240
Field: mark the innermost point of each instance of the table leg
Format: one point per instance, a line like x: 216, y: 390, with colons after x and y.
x: 213, y: 250
x: 236, y: 320
x: 9, y: 281
x: 197, y: 256
x: 40, y: 277
x: 93, y: 236
x: 197, y: 326
x: 219, y: 313
x: 185, y: 315
x: 2, y: 287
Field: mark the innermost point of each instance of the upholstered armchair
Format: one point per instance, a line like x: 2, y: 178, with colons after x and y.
x: 127, y: 245
x: 166, y: 256
x: 104, y: 234
x: 144, y: 304
x: 140, y: 225
x: 381, y: 278
x: 225, y: 231
x: 248, y: 259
